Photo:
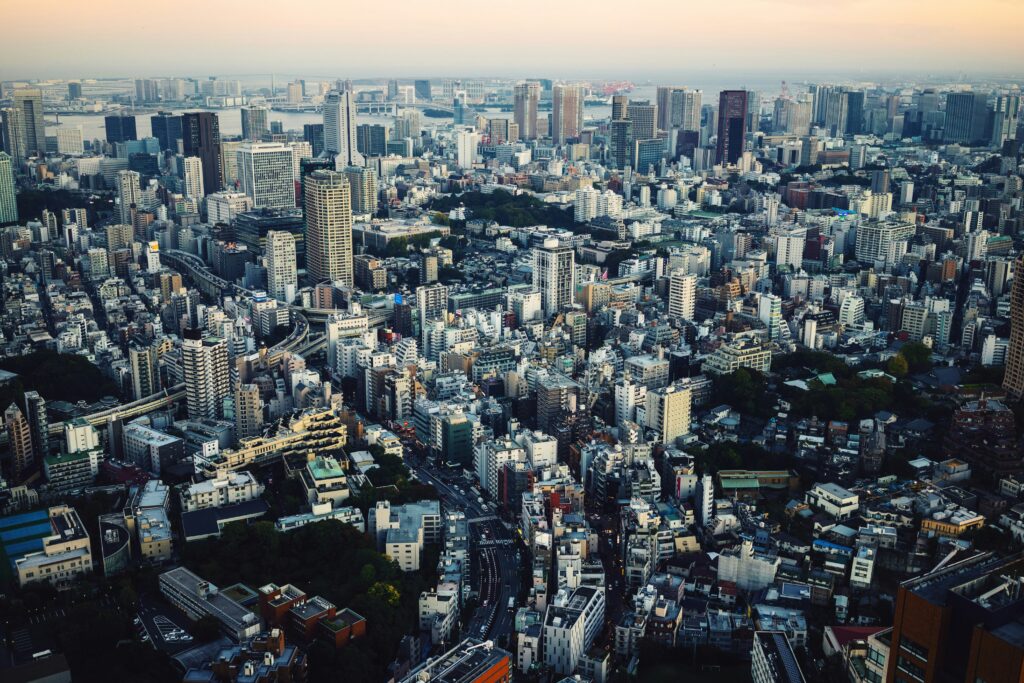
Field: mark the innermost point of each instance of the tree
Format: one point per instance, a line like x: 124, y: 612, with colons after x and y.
x: 918, y: 356
x: 897, y: 366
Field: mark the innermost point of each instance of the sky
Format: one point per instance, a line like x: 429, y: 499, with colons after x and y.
x: 654, y: 39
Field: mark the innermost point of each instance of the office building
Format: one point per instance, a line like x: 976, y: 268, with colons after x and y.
x: 554, y: 274
x: 668, y: 412
x: 328, y: 209
x: 644, y: 116
x: 372, y: 139
x: 198, y: 598
x: 966, y: 117
x: 265, y: 171
x: 255, y: 122
x: 402, y: 530
x: 8, y: 199
x: 149, y: 449
x: 120, y: 128
x: 223, y: 207
x: 422, y: 90
x: 526, y: 96
x: 200, y: 137
x: 732, y: 116
x: 279, y: 257
x: 29, y: 104
x: 12, y: 135
x: 166, y: 128
x: 204, y: 362
x: 313, y: 133
x: 571, y: 623
x: 340, y: 128
x: 566, y: 113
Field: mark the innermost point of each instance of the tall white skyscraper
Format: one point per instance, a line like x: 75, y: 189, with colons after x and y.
x: 265, y: 170
x: 682, y: 294
x: 204, y: 361
x: 193, y: 172
x: 328, y: 207
x: 279, y: 255
x: 128, y: 192
x: 554, y: 274
x: 8, y: 202
x: 340, y: 128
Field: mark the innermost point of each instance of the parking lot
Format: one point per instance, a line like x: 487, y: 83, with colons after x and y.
x: 162, y: 626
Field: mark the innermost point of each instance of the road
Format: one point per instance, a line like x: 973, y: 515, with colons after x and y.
x: 495, y: 570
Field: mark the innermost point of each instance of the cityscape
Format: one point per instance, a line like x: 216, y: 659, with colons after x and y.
x: 532, y: 377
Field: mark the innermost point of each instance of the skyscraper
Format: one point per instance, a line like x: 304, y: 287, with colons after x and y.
x: 620, y: 143
x: 167, y: 129
x: 372, y: 139
x: 145, y: 369
x: 120, y: 128
x: 313, y: 133
x: 193, y: 173
x: 8, y: 200
x: 644, y: 116
x: 204, y: 360
x: 254, y: 122
x: 38, y: 422
x: 732, y: 118
x: 265, y: 170
x: 128, y: 192
x: 363, y: 184
x: 423, y: 90
x: 966, y: 116
x: 1005, y: 118
x: 19, y: 435
x: 1013, y: 379
x: 665, y: 96
x: 328, y: 210
x: 566, y: 113
x: 12, y: 134
x: 279, y: 256
x: 29, y: 103
x: 200, y: 136
x: 526, y: 97
x: 554, y: 274
x: 340, y: 128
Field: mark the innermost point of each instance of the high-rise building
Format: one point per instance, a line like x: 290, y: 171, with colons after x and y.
x: 70, y: 141
x: 1005, y: 119
x: 166, y: 128
x: 668, y: 411
x: 644, y: 116
x: 620, y: 143
x: 38, y: 423
x: 1013, y: 379
x: 145, y: 369
x: 282, y: 278
x: 313, y: 133
x: 128, y: 193
x: 682, y: 294
x: 363, y: 183
x: 255, y: 123
x: 8, y: 199
x: 372, y: 139
x: 966, y: 117
x: 466, y: 142
x: 192, y: 170
x: 200, y: 137
x: 120, y: 128
x: 554, y: 274
x: 526, y: 96
x: 248, y: 411
x: 566, y: 113
x: 423, y: 91
x: 340, y: 128
x: 732, y: 116
x: 12, y: 134
x: 328, y: 211
x: 29, y: 103
x: 265, y: 170
x: 19, y: 436
x: 204, y: 360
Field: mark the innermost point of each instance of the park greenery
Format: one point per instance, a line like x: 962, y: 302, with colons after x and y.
x: 56, y: 376
x: 505, y: 208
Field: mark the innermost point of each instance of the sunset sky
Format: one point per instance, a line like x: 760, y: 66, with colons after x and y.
x: 571, y: 38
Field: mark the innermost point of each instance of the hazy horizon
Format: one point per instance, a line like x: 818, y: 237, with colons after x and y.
x: 570, y: 39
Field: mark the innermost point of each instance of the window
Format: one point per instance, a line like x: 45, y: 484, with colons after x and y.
x: 919, y: 651
x: 876, y: 656
x: 909, y: 668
